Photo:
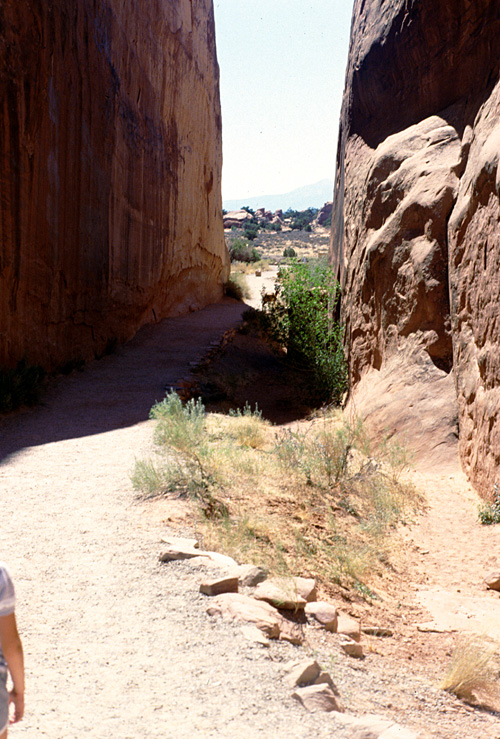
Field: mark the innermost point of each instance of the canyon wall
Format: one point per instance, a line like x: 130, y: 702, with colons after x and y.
x: 416, y: 232
x: 110, y: 168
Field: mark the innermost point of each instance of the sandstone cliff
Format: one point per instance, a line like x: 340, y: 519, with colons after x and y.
x: 110, y: 151
x: 416, y: 229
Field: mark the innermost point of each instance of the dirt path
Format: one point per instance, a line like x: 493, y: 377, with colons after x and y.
x: 119, y: 646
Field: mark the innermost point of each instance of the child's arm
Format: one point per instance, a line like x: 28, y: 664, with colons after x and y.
x: 13, y: 652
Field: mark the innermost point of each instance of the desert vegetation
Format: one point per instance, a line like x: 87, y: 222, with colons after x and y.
x: 320, y: 500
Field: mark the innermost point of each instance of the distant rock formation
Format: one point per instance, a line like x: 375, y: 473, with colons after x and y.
x: 110, y: 205
x: 416, y: 232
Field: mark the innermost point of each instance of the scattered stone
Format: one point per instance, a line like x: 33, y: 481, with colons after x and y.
x: 241, y: 608
x: 316, y: 698
x: 351, y: 647
x: 255, y: 635
x: 290, y: 632
x: 221, y: 585
x: 176, y: 552
x: 431, y: 627
x: 324, y: 614
x: 493, y: 581
x: 249, y: 575
x: 325, y: 677
x: 377, y: 631
x: 348, y: 626
x: 179, y: 551
x: 303, y: 673
x: 290, y: 593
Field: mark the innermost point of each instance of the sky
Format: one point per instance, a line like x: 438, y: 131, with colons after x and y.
x: 282, y: 68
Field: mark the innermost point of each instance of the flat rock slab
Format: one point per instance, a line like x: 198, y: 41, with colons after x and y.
x: 220, y: 585
x: 255, y: 635
x: 241, y: 608
x: 176, y: 541
x: 348, y: 626
x: 323, y: 614
x: 316, y: 698
x: 288, y: 593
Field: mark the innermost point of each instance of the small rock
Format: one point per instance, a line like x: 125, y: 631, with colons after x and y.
x: 241, y: 608
x: 290, y: 593
x: 221, y: 585
x: 304, y: 673
x: 174, y: 553
x: 493, y: 581
x: 249, y: 575
x: 221, y: 559
x: 290, y: 632
x: 351, y: 647
x: 325, y: 677
x: 254, y: 635
x: 323, y: 614
x: 175, y: 541
x: 318, y: 698
x: 377, y: 631
x: 348, y: 626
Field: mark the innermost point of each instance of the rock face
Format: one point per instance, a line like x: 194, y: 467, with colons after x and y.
x: 415, y: 233
x: 110, y: 207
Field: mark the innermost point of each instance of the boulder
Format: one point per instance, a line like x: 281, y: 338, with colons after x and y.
x: 351, y: 647
x: 236, y: 218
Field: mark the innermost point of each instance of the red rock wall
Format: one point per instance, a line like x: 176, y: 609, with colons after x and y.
x: 110, y: 167
x: 415, y: 237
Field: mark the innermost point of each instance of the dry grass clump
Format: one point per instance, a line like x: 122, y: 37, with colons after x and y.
x: 313, y: 501
x: 473, y: 674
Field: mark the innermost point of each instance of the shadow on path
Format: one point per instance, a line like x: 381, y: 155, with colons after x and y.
x: 119, y: 390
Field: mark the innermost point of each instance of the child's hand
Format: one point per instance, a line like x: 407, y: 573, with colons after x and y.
x: 17, y: 700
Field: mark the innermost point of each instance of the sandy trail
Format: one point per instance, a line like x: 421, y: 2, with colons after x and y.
x: 118, y: 646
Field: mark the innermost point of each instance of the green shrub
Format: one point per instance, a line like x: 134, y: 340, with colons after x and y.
x: 289, y: 251
x: 20, y: 386
x: 489, y: 513
x: 303, y: 321
x: 251, y: 230
x: 241, y: 251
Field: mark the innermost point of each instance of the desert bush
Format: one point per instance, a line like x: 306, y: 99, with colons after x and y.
x: 237, y: 286
x: 303, y: 321
x: 473, y: 671
x: 489, y: 513
x: 309, y: 500
x: 289, y: 251
x: 20, y: 386
x: 241, y: 251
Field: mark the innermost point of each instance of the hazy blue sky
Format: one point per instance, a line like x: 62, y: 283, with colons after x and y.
x: 282, y: 66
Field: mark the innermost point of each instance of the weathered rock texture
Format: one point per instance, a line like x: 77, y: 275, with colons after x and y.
x: 110, y: 165
x: 416, y: 230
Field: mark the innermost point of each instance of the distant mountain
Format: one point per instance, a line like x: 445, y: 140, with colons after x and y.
x: 310, y: 196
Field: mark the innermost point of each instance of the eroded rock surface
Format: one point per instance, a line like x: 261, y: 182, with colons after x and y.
x: 110, y: 207
x: 415, y: 235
